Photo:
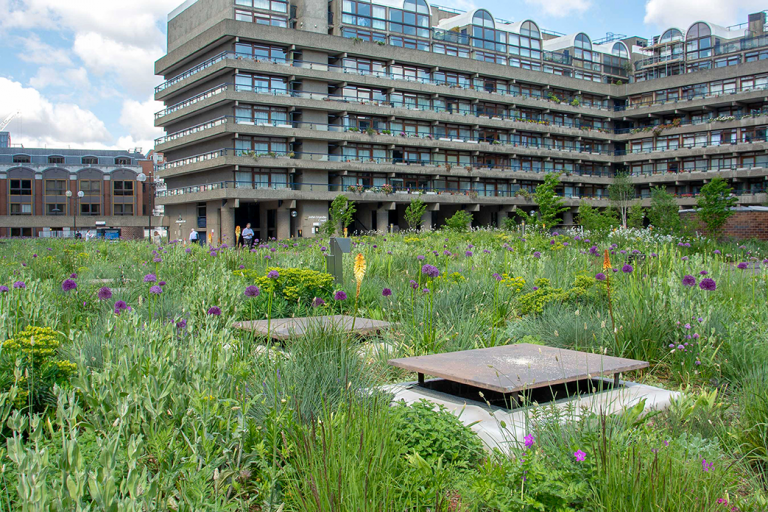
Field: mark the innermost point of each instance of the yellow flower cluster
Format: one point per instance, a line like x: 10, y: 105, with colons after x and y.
x: 516, y: 284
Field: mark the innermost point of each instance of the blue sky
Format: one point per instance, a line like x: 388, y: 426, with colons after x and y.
x: 81, y: 71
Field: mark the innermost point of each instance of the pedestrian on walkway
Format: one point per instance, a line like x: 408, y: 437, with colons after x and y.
x: 248, y: 236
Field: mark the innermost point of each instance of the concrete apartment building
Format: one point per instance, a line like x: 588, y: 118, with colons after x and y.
x: 55, y: 192
x: 274, y: 107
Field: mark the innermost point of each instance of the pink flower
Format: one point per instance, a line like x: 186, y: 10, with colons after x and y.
x: 580, y: 455
x: 529, y: 441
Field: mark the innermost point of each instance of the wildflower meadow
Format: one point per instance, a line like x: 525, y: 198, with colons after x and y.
x: 125, y: 384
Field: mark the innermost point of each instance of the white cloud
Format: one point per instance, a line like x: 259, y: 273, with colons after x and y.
x: 44, y: 123
x: 138, y: 117
x: 561, y: 8
x: 39, y: 52
x: 683, y: 13
x: 52, y: 77
x: 133, y: 65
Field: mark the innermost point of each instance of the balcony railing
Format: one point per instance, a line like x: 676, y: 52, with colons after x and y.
x: 469, y: 163
x: 191, y: 101
x: 751, y: 140
x: 691, y: 97
x: 648, y: 130
x: 359, y: 190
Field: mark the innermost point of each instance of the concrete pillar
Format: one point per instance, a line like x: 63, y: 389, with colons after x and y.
x: 312, y: 16
x: 228, y: 224
x: 213, y: 222
x: 283, y: 220
x: 568, y: 218
x: 426, y: 221
x: 262, y: 223
x: 382, y: 220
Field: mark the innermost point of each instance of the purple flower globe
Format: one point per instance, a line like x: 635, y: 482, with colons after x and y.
x: 742, y: 266
x: 273, y: 274
x: 430, y: 271
x: 105, y: 293
x: 420, y: 257
x: 689, y: 281
x: 537, y: 255
x: 68, y: 285
x: 73, y: 276
x: 150, y: 278
x: 708, y: 284
x: 252, y: 291
x: 19, y: 285
x: 627, y: 269
x: 340, y: 296
x: 601, y: 277
x: 317, y: 302
x: 413, y: 284
x: 497, y: 277
x: 468, y: 254
x: 157, y: 260
x: 3, y: 289
x: 214, y: 311
x: 156, y: 290
x: 386, y: 292
x: 181, y: 323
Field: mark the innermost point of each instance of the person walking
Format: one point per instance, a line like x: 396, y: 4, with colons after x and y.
x: 193, y: 236
x: 248, y: 235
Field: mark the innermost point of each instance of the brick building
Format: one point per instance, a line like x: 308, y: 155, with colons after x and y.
x: 50, y: 192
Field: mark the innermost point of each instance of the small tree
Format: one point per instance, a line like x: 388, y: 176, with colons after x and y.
x: 460, y: 221
x: 414, y: 212
x: 636, y: 216
x: 341, y: 213
x: 550, y: 204
x: 715, y: 205
x: 664, y: 212
x: 592, y: 219
x: 621, y: 193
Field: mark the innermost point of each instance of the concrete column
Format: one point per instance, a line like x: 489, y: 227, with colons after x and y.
x: 568, y: 218
x: 426, y: 221
x: 228, y: 224
x: 262, y: 223
x: 312, y: 16
x: 283, y: 219
x: 213, y: 221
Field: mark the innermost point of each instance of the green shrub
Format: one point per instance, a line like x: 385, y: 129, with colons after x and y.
x: 294, y: 284
x: 459, y: 222
x: 30, y: 360
x: 753, y: 431
x: 537, y: 300
x: 436, y: 434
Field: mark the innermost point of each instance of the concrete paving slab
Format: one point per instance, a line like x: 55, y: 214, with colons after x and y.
x: 285, y: 328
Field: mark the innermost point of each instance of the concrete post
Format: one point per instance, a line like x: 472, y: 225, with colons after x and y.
x: 283, y: 220
x: 213, y: 221
x: 426, y: 221
x: 382, y: 220
x: 228, y: 224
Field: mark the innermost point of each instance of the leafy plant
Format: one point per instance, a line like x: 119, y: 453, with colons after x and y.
x: 460, y: 221
x: 621, y: 193
x: 550, y: 204
x: 293, y: 284
x: 636, y: 216
x: 592, y: 219
x: 414, y: 212
x: 663, y: 213
x: 715, y: 205
x: 340, y: 215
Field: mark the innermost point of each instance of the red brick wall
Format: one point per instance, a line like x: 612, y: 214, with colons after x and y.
x: 741, y: 225
x: 132, y: 233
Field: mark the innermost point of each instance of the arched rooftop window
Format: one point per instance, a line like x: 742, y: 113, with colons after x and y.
x: 698, y: 30
x: 620, y: 50
x: 583, y: 42
x: 672, y: 34
x: 483, y: 18
x: 419, y: 6
x: 530, y: 29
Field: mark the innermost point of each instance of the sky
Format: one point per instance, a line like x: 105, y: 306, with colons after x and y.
x: 81, y: 71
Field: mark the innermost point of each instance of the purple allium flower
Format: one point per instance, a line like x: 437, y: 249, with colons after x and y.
x: 120, y: 306
x: 601, y: 277
x: 162, y: 283
x: 468, y: 254
x: 425, y: 291
x: 420, y: 257
x: 529, y: 441
x: 273, y: 274
x: 580, y: 455
x: 73, y: 276
x: 157, y: 259
x: 430, y: 271
x: 414, y: 284
x: 188, y: 250
x: 317, y: 302
x: 622, y: 251
x: 742, y: 266
x: 703, y: 273
x: 181, y: 323
x: 446, y: 253
x: 105, y: 293
x: 689, y: 281
x: 654, y: 255
x: 150, y: 278
x: 3, y: 289
x: 241, y: 267
x: 386, y: 292
x: 252, y: 291
x: 717, y: 251
x: 497, y: 277
x: 680, y: 347
x: 68, y: 285
x: 684, y: 258
x: 155, y: 290
x: 535, y: 288
x: 708, y: 284
x: 324, y: 249
x: 671, y: 345
x: 340, y: 296
x: 627, y: 269
x: 537, y: 255
x: 214, y: 311
x: 687, y: 326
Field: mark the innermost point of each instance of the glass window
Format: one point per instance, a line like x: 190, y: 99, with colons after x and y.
x: 122, y: 188
x: 55, y: 187
x: 21, y: 187
x: 119, y: 209
x: 95, y: 209
x: 92, y: 187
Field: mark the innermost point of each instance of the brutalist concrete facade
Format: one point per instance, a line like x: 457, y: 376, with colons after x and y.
x: 273, y: 108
